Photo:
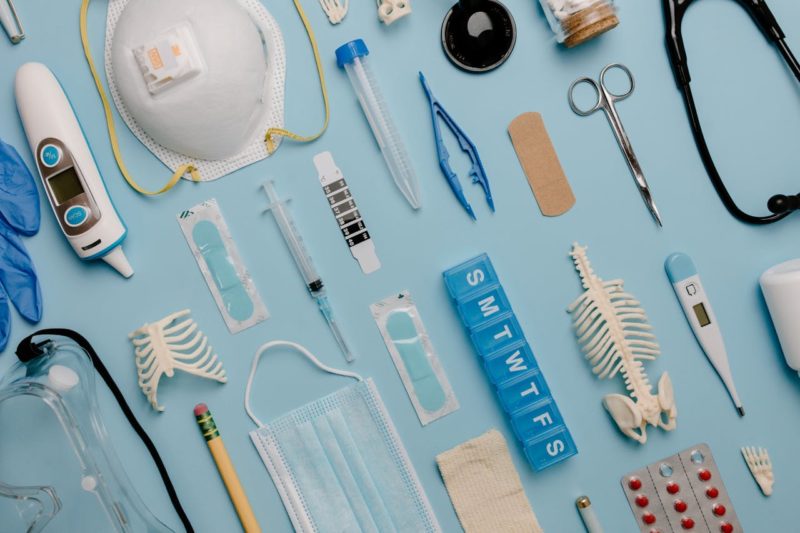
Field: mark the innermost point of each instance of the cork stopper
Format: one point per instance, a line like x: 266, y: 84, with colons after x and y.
x: 588, y: 23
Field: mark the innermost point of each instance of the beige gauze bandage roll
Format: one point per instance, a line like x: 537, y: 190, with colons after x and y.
x: 485, y: 487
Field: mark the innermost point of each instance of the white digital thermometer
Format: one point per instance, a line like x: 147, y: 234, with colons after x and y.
x: 686, y: 282
x: 67, y: 168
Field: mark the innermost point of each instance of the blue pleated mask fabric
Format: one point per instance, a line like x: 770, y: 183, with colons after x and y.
x: 19, y: 198
x: 339, y: 464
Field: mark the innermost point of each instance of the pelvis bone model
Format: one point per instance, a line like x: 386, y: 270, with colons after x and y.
x: 613, y: 332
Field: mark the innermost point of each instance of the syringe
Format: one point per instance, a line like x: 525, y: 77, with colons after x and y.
x: 295, y: 243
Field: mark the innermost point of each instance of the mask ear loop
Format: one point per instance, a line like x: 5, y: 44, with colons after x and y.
x: 269, y: 137
x: 303, y: 351
x: 112, y: 131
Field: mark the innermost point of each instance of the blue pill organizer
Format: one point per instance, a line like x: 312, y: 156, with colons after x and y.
x: 509, y: 362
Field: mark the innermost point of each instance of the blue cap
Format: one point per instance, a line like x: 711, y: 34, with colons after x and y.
x: 679, y: 267
x: 349, y: 51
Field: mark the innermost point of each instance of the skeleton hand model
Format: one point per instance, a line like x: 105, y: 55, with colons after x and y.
x: 613, y: 332
x: 761, y: 467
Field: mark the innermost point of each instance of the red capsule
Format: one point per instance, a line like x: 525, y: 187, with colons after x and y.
x: 673, y: 488
x: 680, y: 506
x: 687, y: 523
x: 719, y: 510
x: 712, y: 492
x: 649, y: 518
x: 642, y: 501
x: 704, y: 475
x: 634, y: 483
x: 725, y: 527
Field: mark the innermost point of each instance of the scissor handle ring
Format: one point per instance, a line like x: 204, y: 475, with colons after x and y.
x: 624, y: 69
x: 593, y: 84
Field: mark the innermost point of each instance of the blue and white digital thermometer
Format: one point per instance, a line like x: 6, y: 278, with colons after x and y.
x: 70, y: 177
x: 686, y: 282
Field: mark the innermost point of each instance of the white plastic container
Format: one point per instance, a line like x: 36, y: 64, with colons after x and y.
x: 781, y: 287
x: 577, y: 21
x: 352, y: 58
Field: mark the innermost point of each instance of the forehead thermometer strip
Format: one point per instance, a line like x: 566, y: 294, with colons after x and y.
x: 344, y: 208
x: 686, y: 282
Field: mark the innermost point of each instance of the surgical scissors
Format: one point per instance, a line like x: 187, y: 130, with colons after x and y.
x: 606, y: 101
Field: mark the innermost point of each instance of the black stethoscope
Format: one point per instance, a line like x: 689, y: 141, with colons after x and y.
x: 780, y: 205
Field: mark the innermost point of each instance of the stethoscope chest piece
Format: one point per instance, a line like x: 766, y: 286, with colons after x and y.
x: 478, y: 35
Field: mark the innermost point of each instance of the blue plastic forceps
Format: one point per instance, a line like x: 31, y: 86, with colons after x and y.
x: 606, y: 101
x: 477, y: 171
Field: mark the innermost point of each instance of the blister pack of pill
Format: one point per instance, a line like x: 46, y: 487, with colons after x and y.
x: 680, y: 493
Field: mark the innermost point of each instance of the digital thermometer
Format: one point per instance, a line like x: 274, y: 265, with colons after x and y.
x: 686, y: 282
x: 67, y: 168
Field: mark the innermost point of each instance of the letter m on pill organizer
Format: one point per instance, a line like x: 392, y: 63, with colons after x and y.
x: 488, y: 308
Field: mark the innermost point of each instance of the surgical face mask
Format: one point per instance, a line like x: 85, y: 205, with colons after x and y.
x: 197, y: 81
x: 338, y: 462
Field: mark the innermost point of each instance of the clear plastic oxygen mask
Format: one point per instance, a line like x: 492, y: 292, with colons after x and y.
x: 352, y: 57
x: 313, y: 281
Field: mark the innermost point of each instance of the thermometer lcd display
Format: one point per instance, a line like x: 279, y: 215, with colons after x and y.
x: 702, y: 315
x: 65, y: 185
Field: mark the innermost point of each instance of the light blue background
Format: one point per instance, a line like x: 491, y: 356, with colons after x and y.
x: 748, y: 102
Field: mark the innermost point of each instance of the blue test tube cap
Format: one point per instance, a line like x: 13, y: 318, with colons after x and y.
x: 349, y: 51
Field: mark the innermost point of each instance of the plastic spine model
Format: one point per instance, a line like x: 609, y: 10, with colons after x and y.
x: 161, y: 348
x: 614, y: 334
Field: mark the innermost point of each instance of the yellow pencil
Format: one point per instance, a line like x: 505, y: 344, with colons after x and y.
x: 226, y: 470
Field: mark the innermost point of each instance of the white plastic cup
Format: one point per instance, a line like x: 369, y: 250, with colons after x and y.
x: 781, y: 287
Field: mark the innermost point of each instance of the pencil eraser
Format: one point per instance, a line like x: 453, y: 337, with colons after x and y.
x: 200, y: 409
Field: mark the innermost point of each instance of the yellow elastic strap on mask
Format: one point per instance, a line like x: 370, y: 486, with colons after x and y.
x: 269, y: 138
x: 112, y: 132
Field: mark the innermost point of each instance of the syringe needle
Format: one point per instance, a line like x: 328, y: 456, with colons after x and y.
x: 303, y: 261
x: 327, y: 312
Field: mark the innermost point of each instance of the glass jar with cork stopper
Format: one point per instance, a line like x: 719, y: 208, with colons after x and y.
x: 577, y: 21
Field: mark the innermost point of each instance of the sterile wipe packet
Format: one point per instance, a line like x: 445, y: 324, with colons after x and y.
x: 218, y: 258
x: 414, y: 357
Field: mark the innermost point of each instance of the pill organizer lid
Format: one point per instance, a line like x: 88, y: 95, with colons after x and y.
x: 348, y: 52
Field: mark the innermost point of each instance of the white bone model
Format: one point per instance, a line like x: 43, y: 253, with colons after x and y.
x: 172, y: 344
x: 613, y: 332
x: 391, y: 10
x: 335, y: 9
x: 761, y: 467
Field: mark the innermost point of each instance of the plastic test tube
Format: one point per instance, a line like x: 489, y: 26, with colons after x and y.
x: 352, y: 57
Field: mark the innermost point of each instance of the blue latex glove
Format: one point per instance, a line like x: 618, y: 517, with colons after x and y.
x: 19, y: 197
x: 19, y: 281
x: 5, y: 320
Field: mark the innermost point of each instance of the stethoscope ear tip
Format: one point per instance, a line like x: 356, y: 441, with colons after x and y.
x: 780, y: 203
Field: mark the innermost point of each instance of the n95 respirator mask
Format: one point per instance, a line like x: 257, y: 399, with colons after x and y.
x: 199, y: 82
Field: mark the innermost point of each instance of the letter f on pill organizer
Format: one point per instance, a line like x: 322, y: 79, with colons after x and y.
x: 686, y: 282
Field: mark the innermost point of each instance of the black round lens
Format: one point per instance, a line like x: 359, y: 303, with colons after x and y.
x: 478, y: 35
